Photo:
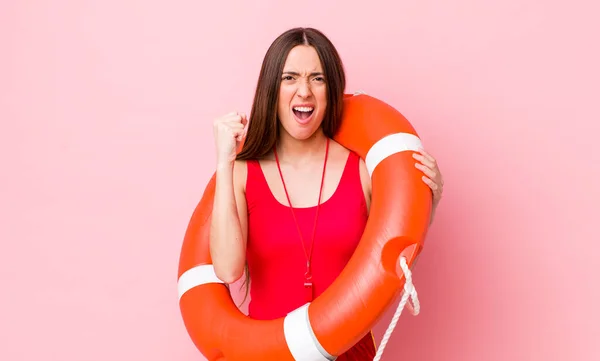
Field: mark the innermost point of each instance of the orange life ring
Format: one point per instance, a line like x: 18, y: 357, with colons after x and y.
x: 371, y: 281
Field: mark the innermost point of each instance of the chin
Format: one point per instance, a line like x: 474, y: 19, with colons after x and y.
x: 303, y: 134
x: 300, y: 131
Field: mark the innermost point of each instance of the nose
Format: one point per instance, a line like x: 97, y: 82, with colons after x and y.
x: 304, y: 90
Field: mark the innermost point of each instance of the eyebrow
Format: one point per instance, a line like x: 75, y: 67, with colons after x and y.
x: 298, y: 74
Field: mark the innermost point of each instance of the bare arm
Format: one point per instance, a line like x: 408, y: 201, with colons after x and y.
x: 229, y: 229
x: 365, y: 180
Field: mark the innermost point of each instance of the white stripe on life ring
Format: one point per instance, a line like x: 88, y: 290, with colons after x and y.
x: 301, y: 339
x: 388, y: 145
x: 197, y: 276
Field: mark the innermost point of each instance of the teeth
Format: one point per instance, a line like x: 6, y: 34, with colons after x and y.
x: 304, y: 109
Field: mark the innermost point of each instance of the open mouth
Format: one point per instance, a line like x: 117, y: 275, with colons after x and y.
x: 303, y: 113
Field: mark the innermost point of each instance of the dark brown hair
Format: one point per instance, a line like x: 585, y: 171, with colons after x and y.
x: 263, y: 127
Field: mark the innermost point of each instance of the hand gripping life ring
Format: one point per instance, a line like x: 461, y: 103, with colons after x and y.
x: 371, y: 281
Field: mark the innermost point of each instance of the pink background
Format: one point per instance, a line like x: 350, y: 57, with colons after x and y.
x: 106, y: 146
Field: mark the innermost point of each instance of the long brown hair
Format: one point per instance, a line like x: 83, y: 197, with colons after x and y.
x: 263, y: 127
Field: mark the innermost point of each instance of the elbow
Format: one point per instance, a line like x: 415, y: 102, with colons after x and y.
x: 229, y: 275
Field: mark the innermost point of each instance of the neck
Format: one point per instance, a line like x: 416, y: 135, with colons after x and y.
x: 300, y: 151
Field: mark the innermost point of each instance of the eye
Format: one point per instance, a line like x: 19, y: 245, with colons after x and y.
x: 287, y: 77
x: 319, y: 79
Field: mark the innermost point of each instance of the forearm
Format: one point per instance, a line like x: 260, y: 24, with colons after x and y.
x: 227, y: 244
x: 432, y: 215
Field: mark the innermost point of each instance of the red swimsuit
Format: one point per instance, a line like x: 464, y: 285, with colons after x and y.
x: 276, y: 260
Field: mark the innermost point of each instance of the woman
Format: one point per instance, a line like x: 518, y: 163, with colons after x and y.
x: 293, y: 204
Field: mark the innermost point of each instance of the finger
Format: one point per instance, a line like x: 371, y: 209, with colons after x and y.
x: 436, y: 190
x: 426, y: 161
x: 237, y: 116
x: 244, y: 119
x: 428, y: 171
x: 234, y: 124
x: 427, y: 154
x: 434, y: 187
x: 237, y: 132
x: 240, y: 118
x: 233, y: 118
x: 241, y: 135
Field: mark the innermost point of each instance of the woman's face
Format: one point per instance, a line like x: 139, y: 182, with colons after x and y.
x: 303, y: 93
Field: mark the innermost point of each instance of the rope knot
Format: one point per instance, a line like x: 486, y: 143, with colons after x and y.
x: 409, y: 291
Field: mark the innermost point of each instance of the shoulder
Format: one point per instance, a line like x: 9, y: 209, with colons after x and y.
x: 365, y: 179
x: 338, y: 153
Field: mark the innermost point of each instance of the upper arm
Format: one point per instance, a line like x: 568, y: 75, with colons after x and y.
x: 240, y: 174
x: 365, y: 180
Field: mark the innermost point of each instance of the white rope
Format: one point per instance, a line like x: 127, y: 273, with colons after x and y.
x: 409, y: 291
